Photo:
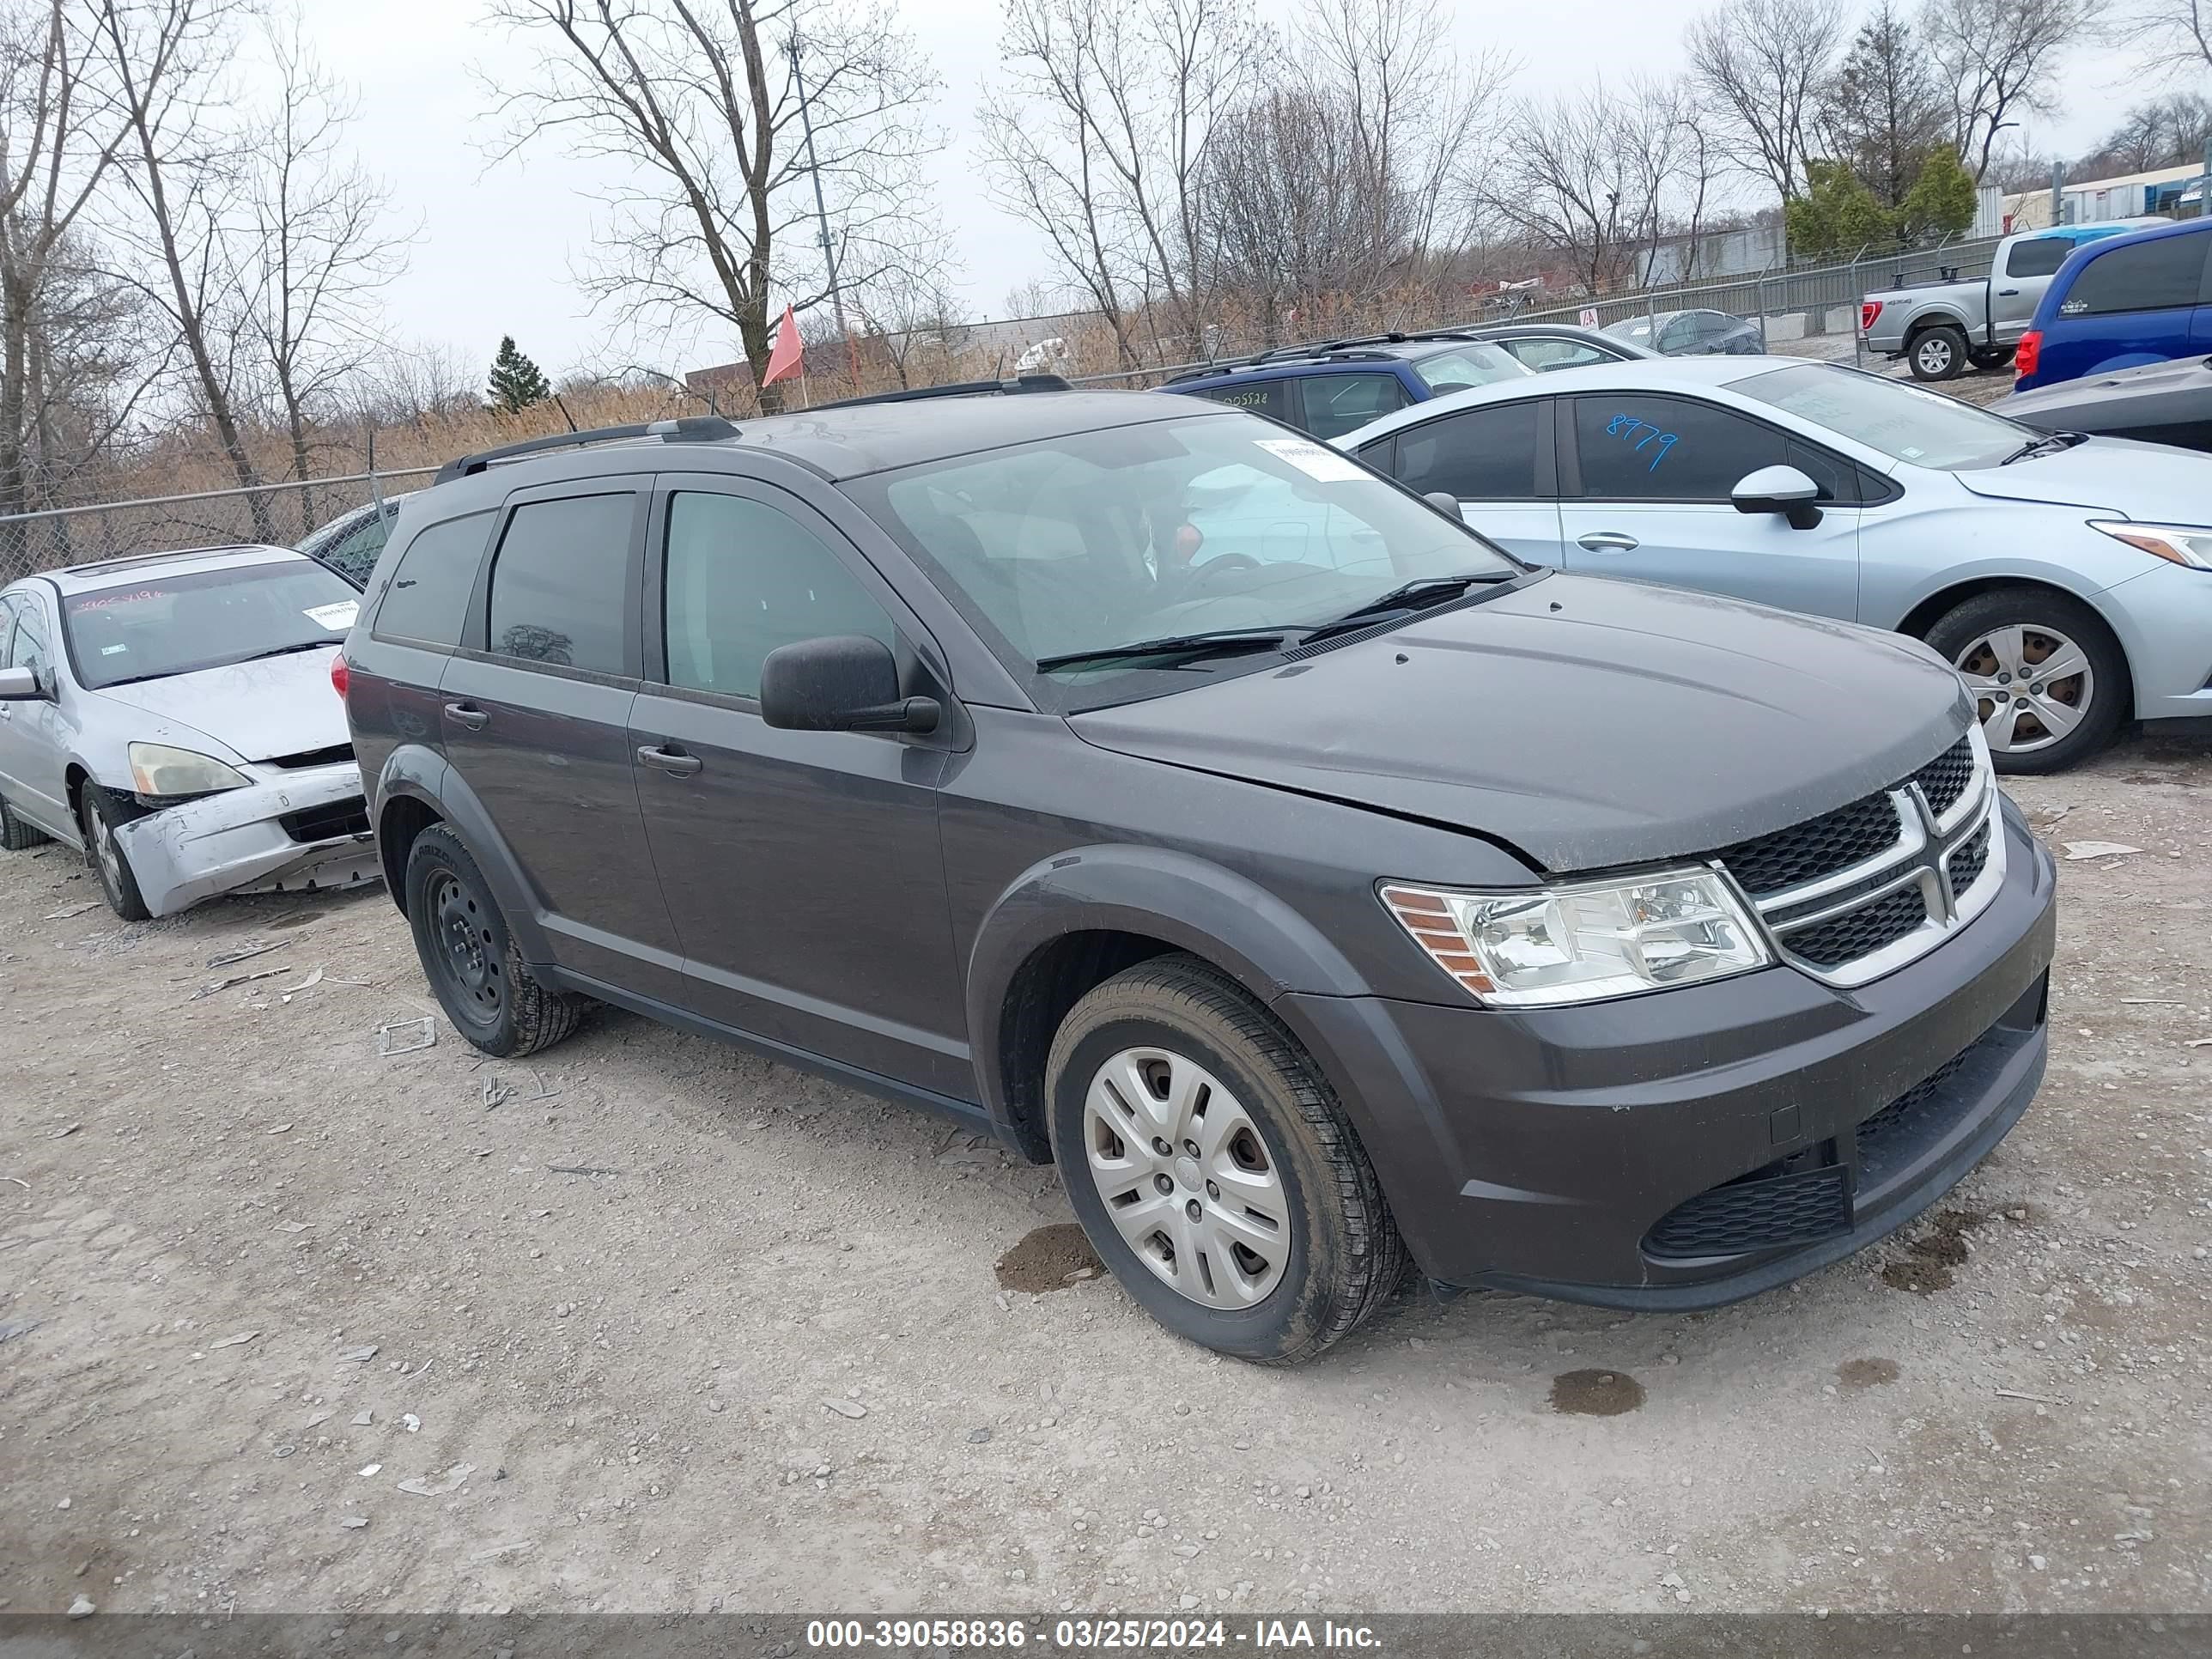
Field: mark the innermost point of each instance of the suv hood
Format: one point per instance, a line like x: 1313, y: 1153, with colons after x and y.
x: 277, y: 706
x: 2153, y: 482
x: 1583, y: 722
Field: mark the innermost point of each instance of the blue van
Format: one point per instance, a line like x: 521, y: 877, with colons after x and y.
x: 2142, y: 298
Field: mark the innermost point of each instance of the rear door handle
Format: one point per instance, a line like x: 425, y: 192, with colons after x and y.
x: 674, y: 762
x: 1607, y: 541
x: 468, y: 715
x: 2008, y: 294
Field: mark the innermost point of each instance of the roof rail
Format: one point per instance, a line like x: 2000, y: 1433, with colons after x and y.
x: 689, y: 430
x: 1319, y: 347
x: 958, y: 389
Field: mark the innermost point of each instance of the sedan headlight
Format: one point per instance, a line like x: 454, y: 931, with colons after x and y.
x: 157, y: 770
x: 1582, y: 942
x: 2184, y: 544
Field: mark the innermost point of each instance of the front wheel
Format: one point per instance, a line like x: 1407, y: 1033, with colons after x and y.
x: 103, y: 814
x: 1938, y: 352
x: 1213, y: 1167
x: 2049, y: 680
x: 467, y: 954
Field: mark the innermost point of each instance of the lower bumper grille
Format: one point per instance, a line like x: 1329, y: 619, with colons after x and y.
x: 1756, y: 1214
x: 348, y: 817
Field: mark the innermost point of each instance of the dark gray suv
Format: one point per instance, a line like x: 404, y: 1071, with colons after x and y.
x: 1182, y: 802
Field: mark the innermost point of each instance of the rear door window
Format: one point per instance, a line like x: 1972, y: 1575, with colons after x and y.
x: 353, y: 556
x: 2155, y: 275
x: 1480, y: 454
x: 1543, y: 354
x: 428, y: 600
x: 560, y: 580
x: 1338, y: 404
x: 2039, y: 258
x: 1268, y: 398
x: 1668, y: 449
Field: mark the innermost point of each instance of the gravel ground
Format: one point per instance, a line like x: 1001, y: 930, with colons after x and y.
x: 288, y: 1325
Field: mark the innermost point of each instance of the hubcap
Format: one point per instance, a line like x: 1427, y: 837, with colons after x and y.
x: 1186, y: 1179
x: 111, y: 856
x: 2032, y: 686
x: 1935, y: 355
x: 468, y: 956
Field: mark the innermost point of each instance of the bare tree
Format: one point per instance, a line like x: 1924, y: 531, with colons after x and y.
x: 1764, y: 67
x: 698, y: 98
x: 1585, y: 176
x: 317, y: 253
x: 1096, y: 132
x: 1997, y: 58
x: 162, y: 62
x: 917, y: 322
x: 2166, y: 133
x: 2176, y: 33
x: 1886, y: 109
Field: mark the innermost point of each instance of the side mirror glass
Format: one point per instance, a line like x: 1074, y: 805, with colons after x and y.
x: 18, y: 685
x: 1781, y: 489
x: 844, y: 682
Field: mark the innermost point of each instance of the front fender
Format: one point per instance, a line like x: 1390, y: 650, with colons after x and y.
x: 1186, y: 902
x: 412, y: 772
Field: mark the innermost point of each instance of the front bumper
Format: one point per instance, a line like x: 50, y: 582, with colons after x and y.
x: 285, y: 832
x: 1542, y: 1151
x: 2164, y: 619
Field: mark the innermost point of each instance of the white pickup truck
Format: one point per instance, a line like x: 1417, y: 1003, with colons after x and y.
x: 1940, y: 327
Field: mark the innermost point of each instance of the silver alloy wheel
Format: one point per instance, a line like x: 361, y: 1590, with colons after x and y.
x: 1933, y: 355
x: 110, y: 856
x: 2032, y: 686
x: 1188, y: 1180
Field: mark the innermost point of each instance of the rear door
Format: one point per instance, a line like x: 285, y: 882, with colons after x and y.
x: 1646, y: 486
x: 1496, y: 460
x: 535, y: 710
x: 803, y: 868
x: 2016, y: 290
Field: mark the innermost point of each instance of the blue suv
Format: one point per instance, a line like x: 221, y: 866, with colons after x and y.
x: 2142, y: 298
x: 1334, y: 387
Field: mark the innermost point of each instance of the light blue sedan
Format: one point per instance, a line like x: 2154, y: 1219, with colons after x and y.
x: 2068, y: 579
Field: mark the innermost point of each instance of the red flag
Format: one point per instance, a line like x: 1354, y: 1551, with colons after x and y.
x: 785, y: 360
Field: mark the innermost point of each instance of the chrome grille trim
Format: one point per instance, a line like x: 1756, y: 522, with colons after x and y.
x: 1921, y: 855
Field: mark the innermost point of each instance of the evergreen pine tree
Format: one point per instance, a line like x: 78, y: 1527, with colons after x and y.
x: 516, y: 382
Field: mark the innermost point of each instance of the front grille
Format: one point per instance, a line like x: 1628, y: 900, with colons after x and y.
x: 348, y: 817
x: 1858, y: 933
x: 1820, y: 846
x: 1756, y: 1212
x: 1944, y: 779
x: 1968, y: 862
x: 330, y: 756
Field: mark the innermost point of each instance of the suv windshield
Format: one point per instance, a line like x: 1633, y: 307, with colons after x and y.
x: 1903, y: 422
x: 1136, y: 533
x: 156, y: 626
x: 1469, y: 365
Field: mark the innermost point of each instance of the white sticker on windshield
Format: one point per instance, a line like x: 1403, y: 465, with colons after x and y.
x: 111, y: 650
x: 337, y: 615
x: 1314, y: 460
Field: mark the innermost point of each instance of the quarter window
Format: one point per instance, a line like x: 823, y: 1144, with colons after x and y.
x: 2155, y: 275
x: 558, y: 583
x: 1668, y: 449
x: 1482, y: 454
x: 427, y: 600
x: 744, y: 578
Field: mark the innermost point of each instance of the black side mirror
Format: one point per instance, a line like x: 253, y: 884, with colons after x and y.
x: 1781, y: 489
x: 1446, y: 503
x: 845, y: 683
x: 20, y: 685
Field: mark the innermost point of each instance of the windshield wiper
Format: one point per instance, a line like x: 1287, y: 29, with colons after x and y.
x: 2044, y: 446
x: 1221, y: 642
x: 281, y: 651
x: 1419, y: 595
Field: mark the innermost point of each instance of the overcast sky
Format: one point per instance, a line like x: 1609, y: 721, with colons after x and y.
x: 497, y: 245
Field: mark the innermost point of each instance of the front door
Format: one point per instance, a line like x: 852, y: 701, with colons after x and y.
x: 1495, y: 460
x: 1653, y: 504
x: 803, y: 868
x: 536, y: 710
x: 33, y: 765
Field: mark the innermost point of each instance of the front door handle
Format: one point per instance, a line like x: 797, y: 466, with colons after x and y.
x: 674, y: 762
x: 467, y: 716
x: 1607, y: 541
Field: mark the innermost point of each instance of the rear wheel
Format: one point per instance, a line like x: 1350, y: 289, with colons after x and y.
x: 1213, y: 1167
x: 103, y: 814
x: 469, y: 956
x: 1990, y: 358
x: 16, y: 835
x: 1937, y: 353
x: 2047, y: 679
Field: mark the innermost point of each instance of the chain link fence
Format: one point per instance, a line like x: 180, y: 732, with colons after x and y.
x: 283, y: 513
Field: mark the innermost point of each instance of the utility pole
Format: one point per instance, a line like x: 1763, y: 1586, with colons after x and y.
x: 2058, y: 194
x: 822, y: 217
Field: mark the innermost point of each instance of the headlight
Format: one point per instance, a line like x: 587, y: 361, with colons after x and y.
x: 1582, y: 942
x: 158, y: 770
x: 2184, y: 544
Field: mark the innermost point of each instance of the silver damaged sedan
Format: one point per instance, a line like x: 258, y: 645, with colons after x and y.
x: 171, y: 715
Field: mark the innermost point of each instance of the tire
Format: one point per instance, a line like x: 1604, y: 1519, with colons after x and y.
x: 468, y: 955
x: 1989, y: 359
x: 1937, y: 353
x: 16, y: 835
x: 1176, y: 1025
x: 103, y: 814
x: 1996, y: 639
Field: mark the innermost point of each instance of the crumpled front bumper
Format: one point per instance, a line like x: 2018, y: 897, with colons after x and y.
x: 237, y: 841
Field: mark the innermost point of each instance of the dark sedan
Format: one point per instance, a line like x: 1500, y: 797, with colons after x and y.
x: 1693, y: 334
